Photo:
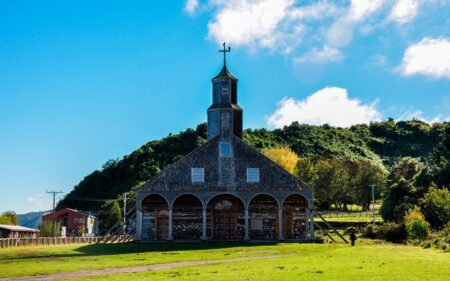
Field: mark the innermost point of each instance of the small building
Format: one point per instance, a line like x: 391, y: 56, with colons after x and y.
x: 76, y: 223
x: 17, y: 231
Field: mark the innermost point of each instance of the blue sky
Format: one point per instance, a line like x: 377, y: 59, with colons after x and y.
x: 86, y: 81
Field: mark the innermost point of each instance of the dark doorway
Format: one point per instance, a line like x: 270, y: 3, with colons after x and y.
x: 155, y: 218
x: 187, y: 217
x: 263, y: 212
x: 226, y: 218
x: 295, y: 217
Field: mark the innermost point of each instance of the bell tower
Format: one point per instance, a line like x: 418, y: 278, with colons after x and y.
x: 224, y: 115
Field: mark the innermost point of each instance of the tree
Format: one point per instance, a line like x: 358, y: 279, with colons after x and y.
x: 331, y: 183
x: 436, y: 206
x: 45, y: 229
x: 417, y: 227
x: 5, y: 220
x: 363, y: 175
x: 397, y: 201
x: 110, y: 214
x: 440, y: 160
x: 406, y: 168
x: 12, y: 217
x: 306, y: 171
x: 283, y: 156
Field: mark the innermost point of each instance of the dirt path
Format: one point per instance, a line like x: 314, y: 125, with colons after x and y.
x: 118, y: 270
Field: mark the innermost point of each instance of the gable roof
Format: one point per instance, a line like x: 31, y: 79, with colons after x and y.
x: 17, y: 228
x: 222, y: 173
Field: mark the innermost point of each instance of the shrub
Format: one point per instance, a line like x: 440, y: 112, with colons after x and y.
x: 393, y: 232
x: 45, y: 229
x: 436, y: 206
x: 371, y: 231
x: 416, y: 226
x: 5, y: 220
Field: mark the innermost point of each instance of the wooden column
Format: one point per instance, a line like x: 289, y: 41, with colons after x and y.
x: 311, y: 224
x: 280, y: 224
x: 170, y: 237
x: 246, y: 236
x: 204, y: 224
x: 138, y: 235
x: 307, y: 224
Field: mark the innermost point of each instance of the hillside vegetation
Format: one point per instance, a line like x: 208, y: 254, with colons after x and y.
x: 381, y: 143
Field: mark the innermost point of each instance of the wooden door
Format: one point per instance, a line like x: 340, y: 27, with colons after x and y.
x: 288, y: 229
x: 161, y: 224
x: 225, y: 223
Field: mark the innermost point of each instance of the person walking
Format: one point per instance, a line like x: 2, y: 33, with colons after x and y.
x: 353, y: 238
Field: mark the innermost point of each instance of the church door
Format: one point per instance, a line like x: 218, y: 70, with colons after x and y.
x: 227, y: 218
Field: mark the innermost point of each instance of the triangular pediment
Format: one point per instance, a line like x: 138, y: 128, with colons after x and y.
x: 223, y: 173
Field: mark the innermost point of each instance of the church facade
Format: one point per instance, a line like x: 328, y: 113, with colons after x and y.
x: 225, y: 189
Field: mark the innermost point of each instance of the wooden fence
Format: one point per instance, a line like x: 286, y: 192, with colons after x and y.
x: 16, y: 242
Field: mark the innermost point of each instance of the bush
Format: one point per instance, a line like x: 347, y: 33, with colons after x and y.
x: 436, y: 206
x: 371, y: 231
x: 5, y: 220
x: 45, y: 229
x: 417, y: 227
x: 393, y: 232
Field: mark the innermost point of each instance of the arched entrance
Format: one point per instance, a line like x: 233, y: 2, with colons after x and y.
x: 187, y: 217
x: 225, y: 215
x: 295, y: 217
x: 263, y: 213
x: 155, y: 218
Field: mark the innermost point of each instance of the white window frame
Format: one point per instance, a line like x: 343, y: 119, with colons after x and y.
x: 198, y: 175
x: 222, y: 145
x: 253, y: 175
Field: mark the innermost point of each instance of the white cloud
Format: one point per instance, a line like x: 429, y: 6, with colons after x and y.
x: 298, y: 28
x: 419, y: 115
x: 404, y: 11
x: 430, y: 57
x: 38, y: 201
x: 317, y: 11
x: 361, y: 9
x: 330, y: 105
x: 340, y: 33
x: 191, y: 6
x: 252, y: 23
x: 379, y: 60
x: 326, y: 54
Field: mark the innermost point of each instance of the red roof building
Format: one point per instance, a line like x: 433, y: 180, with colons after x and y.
x: 76, y: 223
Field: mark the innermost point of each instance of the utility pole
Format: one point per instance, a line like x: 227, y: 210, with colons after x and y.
x: 373, y: 202
x: 124, y: 198
x: 54, y: 215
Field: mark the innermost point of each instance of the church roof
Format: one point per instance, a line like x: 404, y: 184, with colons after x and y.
x: 225, y: 73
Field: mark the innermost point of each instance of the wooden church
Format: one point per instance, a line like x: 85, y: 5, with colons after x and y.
x: 225, y: 189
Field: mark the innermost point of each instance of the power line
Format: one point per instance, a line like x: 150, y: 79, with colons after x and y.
x: 54, y: 197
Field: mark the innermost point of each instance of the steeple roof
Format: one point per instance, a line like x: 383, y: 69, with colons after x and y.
x: 224, y: 73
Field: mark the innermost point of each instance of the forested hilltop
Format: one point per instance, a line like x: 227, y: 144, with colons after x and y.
x: 381, y: 143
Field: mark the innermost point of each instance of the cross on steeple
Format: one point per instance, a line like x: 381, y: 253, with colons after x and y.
x: 224, y: 51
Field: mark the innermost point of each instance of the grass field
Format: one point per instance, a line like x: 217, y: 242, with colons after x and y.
x: 369, y: 260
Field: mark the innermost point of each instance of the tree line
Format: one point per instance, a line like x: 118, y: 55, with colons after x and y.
x: 340, y: 164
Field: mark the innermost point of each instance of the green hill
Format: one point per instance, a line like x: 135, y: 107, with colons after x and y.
x: 382, y: 142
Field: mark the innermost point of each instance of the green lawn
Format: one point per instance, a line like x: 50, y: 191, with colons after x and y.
x: 369, y: 260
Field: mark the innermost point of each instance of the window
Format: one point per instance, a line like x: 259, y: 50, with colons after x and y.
x: 225, y: 119
x: 225, y: 149
x: 198, y: 175
x: 252, y: 175
x: 225, y: 90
